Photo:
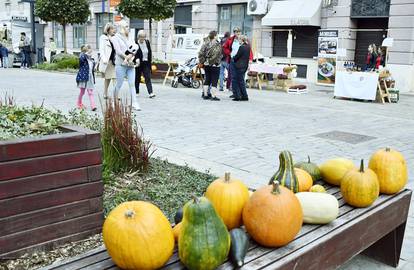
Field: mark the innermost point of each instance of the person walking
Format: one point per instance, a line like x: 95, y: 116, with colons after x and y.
x: 24, y: 46
x: 210, y: 56
x: 85, y: 78
x: 224, y: 65
x: 52, y: 48
x: 124, y: 67
x: 241, y: 64
x: 4, y: 54
x: 144, y: 54
x: 107, y: 57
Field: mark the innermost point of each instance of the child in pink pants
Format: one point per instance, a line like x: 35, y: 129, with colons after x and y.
x: 86, y: 76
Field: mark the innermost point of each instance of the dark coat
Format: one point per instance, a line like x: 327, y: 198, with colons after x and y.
x: 227, y: 48
x: 83, y: 73
x: 241, y: 59
x: 139, y: 52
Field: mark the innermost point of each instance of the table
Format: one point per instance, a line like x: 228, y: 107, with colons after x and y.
x: 377, y: 231
x: 358, y: 85
x: 265, y: 69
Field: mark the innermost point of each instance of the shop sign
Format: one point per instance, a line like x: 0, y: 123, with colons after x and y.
x: 327, y: 56
x: 19, y: 18
x: 298, y: 21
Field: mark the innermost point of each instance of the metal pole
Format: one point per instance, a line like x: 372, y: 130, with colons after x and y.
x: 32, y: 18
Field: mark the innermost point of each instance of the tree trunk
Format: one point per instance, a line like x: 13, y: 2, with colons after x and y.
x: 150, y: 31
x: 65, y: 48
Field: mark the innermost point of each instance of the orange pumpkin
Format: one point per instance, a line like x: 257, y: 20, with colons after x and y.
x: 304, y: 178
x: 176, y: 231
x: 129, y: 234
x: 391, y: 170
x: 360, y: 188
x: 228, y: 197
x: 273, y: 216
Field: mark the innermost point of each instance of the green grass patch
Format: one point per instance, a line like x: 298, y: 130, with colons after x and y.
x: 166, y: 185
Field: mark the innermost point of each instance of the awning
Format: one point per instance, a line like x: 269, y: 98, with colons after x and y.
x: 294, y: 13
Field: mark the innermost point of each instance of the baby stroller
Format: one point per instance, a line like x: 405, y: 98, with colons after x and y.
x: 184, y: 74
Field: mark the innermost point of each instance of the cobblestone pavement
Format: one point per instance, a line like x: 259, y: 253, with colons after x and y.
x: 246, y: 137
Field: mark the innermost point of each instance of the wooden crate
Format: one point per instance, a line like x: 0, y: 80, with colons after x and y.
x: 50, y: 190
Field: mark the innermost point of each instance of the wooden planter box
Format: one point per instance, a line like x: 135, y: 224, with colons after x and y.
x: 50, y: 191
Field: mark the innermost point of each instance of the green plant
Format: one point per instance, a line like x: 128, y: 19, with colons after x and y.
x: 124, y: 146
x: 286, y: 175
x: 204, y: 241
x: 228, y: 197
x: 137, y: 235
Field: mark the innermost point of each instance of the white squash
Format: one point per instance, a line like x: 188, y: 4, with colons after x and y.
x: 318, y: 208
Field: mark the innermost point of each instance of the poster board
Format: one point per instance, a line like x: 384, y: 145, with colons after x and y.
x: 327, y: 56
x: 181, y: 47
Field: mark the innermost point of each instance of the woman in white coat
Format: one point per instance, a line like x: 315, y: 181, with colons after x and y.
x: 107, y: 56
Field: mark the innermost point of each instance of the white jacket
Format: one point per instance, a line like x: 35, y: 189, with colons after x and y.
x: 105, y: 50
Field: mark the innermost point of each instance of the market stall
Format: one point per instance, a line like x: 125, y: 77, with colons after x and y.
x: 358, y: 85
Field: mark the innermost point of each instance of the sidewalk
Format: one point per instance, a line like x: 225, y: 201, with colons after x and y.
x: 245, y: 138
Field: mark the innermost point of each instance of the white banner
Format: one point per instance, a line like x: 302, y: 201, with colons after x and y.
x: 181, y: 47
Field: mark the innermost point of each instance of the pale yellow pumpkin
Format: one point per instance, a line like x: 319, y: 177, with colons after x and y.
x: 317, y: 188
x: 333, y: 170
x: 228, y: 197
x: 391, y: 170
x: 137, y: 235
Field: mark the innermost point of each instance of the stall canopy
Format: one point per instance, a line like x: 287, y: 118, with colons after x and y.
x: 294, y: 13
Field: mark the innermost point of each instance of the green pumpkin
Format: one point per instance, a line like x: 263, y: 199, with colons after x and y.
x: 204, y: 241
x: 239, y: 246
x: 286, y: 175
x: 311, y: 168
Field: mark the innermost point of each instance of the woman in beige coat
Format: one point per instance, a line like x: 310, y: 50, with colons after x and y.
x: 107, y: 56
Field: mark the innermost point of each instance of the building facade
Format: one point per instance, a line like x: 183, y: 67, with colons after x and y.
x: 358, y: 22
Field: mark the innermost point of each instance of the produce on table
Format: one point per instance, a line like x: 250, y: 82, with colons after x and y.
x: 360, y: 188
x: 317, y: 188
x: 334, y: 170
x: 318, y: 208
x: 304, y: 179
x: 239, y: 246
x: 129, y: 234
x: 273, y: 216
x: 204, y: 241
x: 311, y: 168
x: 176, y: 231
x: 391, y: 170
x: 228, y: 197
x: 286, y: 175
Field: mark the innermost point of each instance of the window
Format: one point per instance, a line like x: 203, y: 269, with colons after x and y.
x: 101, y: 20
x: 231, y: 16
x: 58, y: 34
x: 305, y: 42
x: 183, y: 19
x: 79, y: 35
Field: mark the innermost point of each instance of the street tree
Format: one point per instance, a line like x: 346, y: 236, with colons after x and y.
x: 150, y: 10
x: 63, y: 12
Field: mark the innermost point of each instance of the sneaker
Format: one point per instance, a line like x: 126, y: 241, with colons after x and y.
x: 232, y: 96
x: 236, y: 99
x: 136, y: 107
x: 215, y: 99
x: 152, y: 95
x: 244, y: 99
x: 94, y: 109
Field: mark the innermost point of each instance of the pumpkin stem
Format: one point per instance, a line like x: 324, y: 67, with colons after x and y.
x: 361, y: 169
x: 227, y: 177
x: 276, y: 189
x: 195, y: 199
x: 309, y: 159
x: 129, y: 213
x: 387, y: 149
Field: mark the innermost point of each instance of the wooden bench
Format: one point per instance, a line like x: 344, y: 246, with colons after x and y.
x: 377, y: 231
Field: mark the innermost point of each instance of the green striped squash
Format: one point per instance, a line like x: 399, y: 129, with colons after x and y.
x: 286, y: 175
x: 204, y: 241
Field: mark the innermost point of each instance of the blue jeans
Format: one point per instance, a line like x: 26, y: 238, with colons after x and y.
x: 26, y: 60
x: 5, y: 61
x: 121, y: 73
x: 224, y: 65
